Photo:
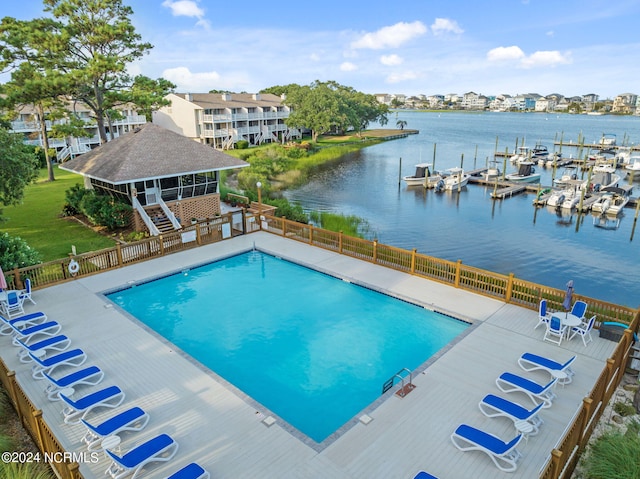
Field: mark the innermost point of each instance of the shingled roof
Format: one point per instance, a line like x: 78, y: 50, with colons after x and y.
x: 149, y: 152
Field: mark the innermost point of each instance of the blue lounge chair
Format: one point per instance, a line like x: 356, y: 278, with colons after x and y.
x: 52, y: 343
x: 159, y: 449
x: 533, y: 362
x: 31, y: 333
x: 196, y: 471
x: 90, y: 376
x: 20, y: 322
x: 509, y: 382
x: 495, y: 406
x: 74, y: 357
x: 78, y: 409
x: 134, y: 419
x: 503, y: 454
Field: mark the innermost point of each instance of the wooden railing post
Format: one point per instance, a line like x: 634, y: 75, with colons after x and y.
x: 161, y: 244
x: 587, y: 406
x: 456, y: 282
x: 310, y: 234
x: 413, y: 260
x: 284, y: 226
x: 37, y: 417
x: 119, y: 253
x: 198, y: 237
x: 11, y: 377
x: 340, y: 241
x: 375, y: 251
x: 509, y: 291
x: 556, y: 465
x: 16, y: 278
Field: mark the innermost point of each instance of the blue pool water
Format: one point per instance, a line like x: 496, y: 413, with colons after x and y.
x: 313, y: 349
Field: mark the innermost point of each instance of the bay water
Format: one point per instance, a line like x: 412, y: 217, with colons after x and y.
x: 506, y: 236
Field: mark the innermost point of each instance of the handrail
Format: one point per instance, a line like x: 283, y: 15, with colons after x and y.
x: 169, y: 214
x: 153, y: 229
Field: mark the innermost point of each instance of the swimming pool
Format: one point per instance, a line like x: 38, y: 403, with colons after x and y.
x: 312, y: 349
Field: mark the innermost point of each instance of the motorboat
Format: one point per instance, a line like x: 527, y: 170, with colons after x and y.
x: 571, y: 198
x: 603, y: 176
x: 632, y: 168
x: 556, y: 198
x: 569, y: 174
x: 493, y: 172
x: 526, y: 173
x: 423, y: 176
x: 540, y: 154
x: 612, y: 200
x: 455, y: 179
x: 552, y: 160
x: 608, y: 139
x: 523, y: 154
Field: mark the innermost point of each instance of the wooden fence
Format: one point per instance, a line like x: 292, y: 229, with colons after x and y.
x: 52, y: 453
x: 563, y: 458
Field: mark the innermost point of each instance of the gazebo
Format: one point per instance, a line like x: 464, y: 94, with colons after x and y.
x: 168, y: 179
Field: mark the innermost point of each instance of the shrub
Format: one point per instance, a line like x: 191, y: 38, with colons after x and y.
x: 614, y: 455
x: 15, y: 252
x: 242, y: 144
x: 73, y: 197
x: 624, y: 409
x: 105, y: 210
x: 29, y: 470
x: 289, y: 211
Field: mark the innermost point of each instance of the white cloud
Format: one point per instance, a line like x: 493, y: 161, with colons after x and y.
x: 546, y: 58
x: 391, y: 60
x: 186, y: 80
x: 184, y: 8
x: 390, y: 37
x: 505, y: 54
x: 348, y: 67
x: 400, y: 77
x: 536, y: 59
x: 444, y: 25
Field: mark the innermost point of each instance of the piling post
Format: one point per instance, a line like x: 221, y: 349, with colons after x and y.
x: 399, y: 172
x: 504, y: 163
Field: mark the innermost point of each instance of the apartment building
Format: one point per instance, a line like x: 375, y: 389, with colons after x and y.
x: 221, y: 120
x: 26, y: 123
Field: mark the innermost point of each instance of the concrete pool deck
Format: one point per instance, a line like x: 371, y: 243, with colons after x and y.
x: 223, y: 431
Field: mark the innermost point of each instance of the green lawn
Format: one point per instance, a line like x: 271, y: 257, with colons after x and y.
x: 37, y: 220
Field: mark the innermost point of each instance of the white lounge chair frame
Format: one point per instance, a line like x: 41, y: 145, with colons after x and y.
x: 545, y: 394
x: 117, y: 470
x: 507, y: 461
x: 532, y: 362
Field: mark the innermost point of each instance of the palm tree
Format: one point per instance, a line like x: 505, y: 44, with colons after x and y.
x: 401, y: 124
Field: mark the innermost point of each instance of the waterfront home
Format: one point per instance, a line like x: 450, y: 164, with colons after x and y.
x: 168, y: 178
x: 221, y: 120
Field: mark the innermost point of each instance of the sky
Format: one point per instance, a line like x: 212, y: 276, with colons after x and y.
x: 571, y: 47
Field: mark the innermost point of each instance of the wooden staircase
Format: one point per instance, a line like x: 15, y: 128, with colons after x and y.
x: 159, y: 219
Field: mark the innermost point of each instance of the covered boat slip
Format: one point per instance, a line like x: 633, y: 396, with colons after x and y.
x: 223, y: 430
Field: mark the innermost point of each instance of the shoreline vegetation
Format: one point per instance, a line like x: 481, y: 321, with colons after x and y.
x: 281, y: 167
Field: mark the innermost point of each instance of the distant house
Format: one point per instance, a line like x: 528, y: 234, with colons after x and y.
x: 222, y: 119
x: 168, y: 178
x: 625, y: 103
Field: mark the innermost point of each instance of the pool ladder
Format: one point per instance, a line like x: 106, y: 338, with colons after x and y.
x: 405, y: 388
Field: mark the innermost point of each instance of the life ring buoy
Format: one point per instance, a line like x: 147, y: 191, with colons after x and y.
x: 74, y: 267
